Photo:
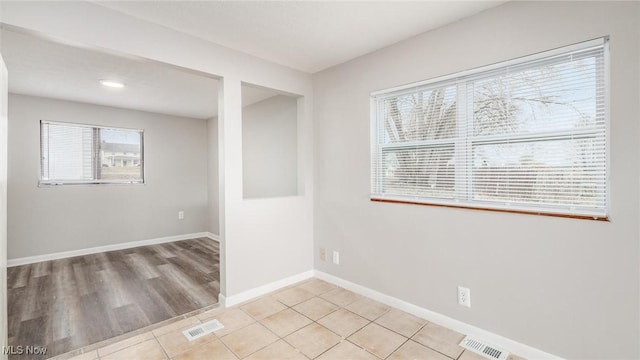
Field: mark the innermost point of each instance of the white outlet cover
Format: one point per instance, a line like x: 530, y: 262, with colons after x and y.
x: 180, y: 215
x: 336, y: 257
x: 464, y: 296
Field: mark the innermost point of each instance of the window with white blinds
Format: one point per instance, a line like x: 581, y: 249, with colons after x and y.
x: 85, y: 154
x: 527, y: 135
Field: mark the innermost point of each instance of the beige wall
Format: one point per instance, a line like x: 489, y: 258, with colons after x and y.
x: 568, y: 287
x: 44, y: 220
x: 269, y: 148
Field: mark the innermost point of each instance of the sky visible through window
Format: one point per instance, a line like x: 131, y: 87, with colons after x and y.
x: 120, y: 136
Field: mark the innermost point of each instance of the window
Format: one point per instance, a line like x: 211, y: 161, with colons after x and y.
x: 85, y: 154
x: 528, y: 135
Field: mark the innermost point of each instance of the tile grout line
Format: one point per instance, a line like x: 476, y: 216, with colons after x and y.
x: 429, y: 347
x: 312, y: 322
x: 161, y: 346
x: 255, y: 321
x: 328, y: 314
x: 278, y: 336
x: 396, y: 349
x: 340, y: 307
x: 370, y: 322
x: 407, y: 339
x: 291, y: 308
x: 327, y: 350
x: 226, y: 347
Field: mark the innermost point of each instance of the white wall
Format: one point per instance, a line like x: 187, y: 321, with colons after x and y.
x: 568, y: 287
x: 280, y: 230
x: 275, y: 232
x: 269, y: 148
x: 44, y: 220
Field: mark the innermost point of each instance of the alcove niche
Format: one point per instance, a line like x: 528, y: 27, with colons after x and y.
x: 269, y: 143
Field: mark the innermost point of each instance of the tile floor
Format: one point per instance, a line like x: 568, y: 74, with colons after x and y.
x: 309, y: 320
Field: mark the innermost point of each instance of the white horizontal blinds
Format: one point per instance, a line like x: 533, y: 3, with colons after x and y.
x: 415, y: 144
x: 75, y: 153
x: 67, y: 152
x: 539, y: 134
x: 529, y: 135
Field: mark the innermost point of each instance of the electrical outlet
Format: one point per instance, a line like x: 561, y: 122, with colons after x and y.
x: 323, y: 254
x: 464, y: 296
x: 336, y: 257
x: 180, y: 215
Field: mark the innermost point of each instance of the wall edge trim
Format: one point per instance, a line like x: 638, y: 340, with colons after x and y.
x: 212, y: 236
x: 98, y: 249
x: 267, y: 288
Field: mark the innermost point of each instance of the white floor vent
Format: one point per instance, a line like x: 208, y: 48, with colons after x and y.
x: 202, y: 329
x: 481, y: 348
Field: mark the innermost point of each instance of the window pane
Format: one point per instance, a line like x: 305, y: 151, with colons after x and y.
x: 565, y: 172
x: 120, y: 155
x: 76, y: 153
x: 425, y: 171
x: 529, y: 134
x: 565, y: 94
x: 67, y: 152
x: 423, y: 115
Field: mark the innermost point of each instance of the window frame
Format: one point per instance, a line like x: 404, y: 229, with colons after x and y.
x: 49, y: 183
x: 464, y: 141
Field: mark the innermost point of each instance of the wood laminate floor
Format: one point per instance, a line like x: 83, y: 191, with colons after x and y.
x: 70, y: 303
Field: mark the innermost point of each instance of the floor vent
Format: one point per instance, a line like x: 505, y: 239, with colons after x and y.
x: 202, y: 329
x: 481, y: 348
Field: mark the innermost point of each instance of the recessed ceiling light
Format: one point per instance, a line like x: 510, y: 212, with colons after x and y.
x: 113, y: 84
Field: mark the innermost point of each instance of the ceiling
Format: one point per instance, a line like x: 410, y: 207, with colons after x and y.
x: 40, y: 67
x: 306, y: 35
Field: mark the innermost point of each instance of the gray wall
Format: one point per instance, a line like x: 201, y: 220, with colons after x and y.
x: 3, y: 206
x: 569, y: 287
x: 62, y: 218
x: 213, y: 216
x: 269, y: 148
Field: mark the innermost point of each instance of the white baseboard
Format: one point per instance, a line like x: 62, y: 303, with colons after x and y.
x: 264, y: 289
x: 222, y: 300
x: 213, y: 236
x: 515, y: 347
x: 99, y: 249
